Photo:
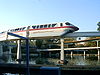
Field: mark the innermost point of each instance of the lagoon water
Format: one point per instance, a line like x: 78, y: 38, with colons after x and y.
x: 75, y: 60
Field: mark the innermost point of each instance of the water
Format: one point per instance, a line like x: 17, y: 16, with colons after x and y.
x: 75, y: 60
x: 72, y: 60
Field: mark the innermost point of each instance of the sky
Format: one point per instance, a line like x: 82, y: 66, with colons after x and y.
x: 84, y: 14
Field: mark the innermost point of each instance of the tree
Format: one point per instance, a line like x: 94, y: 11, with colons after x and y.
x: 99, y: 26
x: 39, y: 43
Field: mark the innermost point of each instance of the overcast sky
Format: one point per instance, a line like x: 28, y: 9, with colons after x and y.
x: 18, y: 13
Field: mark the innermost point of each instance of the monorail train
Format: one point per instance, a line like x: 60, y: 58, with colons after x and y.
x: 45, y: 30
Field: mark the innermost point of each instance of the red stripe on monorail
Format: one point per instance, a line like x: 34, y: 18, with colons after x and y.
x: 53, y: 28
x: 75, y: 28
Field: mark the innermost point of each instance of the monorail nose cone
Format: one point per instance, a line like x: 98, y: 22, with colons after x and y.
x: 76, y: 28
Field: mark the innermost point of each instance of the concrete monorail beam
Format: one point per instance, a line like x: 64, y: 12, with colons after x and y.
x: 83, y: 34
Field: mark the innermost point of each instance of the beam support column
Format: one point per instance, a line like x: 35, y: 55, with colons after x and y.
x: 19, y: 52
x: 62, y: 49
x: 84, y: 54
x: 71, y: 54
x: 97, y: 43
x: 98, y: 50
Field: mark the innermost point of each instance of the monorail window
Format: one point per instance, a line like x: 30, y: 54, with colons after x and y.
x: 37, y: 26
x: 23, y: 28
x: 28, y: 27
x: 53, y: 25
x: 41, y: 26
x: 49, y: 25
x: 34, y: 27
x: 67, y: 23
x: 61, y: 24
x: 17, y: 29
x: 2, y: 32
x: 45, y: 26
x: 20, y: 29
x: 11, y: 30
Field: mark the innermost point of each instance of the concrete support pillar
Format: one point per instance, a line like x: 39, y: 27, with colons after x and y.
x: 97, y: 43
x: 19, y: 51
x: 1, y: 49
x: 71, y: 54
x: 10, y: 57
x: 98, y: 50
x: 84, y: 54
x: 62, y: 49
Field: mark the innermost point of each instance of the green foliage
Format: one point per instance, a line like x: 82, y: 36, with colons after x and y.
x: 39, y: 43
x: 98, y: 23
x: 98, y: 29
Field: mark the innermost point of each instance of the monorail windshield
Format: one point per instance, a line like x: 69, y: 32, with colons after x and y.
x: 67, y: 23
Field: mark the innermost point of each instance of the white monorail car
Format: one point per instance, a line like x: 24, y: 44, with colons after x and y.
x: 44, y: 30
x: 51, y: 30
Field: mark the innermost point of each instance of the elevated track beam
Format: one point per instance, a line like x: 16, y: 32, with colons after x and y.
x: 83, y: 34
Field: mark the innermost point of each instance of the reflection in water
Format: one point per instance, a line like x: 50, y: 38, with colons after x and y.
x: 76, y: 60
x: 72, y: 60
